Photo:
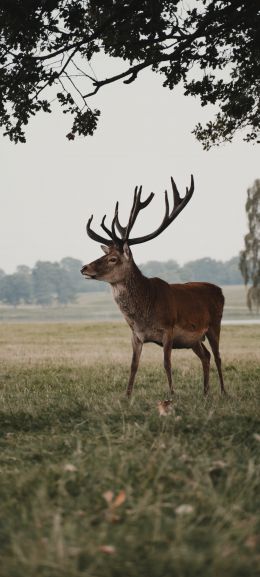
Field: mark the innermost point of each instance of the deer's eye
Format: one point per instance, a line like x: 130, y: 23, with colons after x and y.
x: 113, y: 259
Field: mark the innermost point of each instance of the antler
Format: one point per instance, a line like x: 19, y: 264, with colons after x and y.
x: 111, y: 233
x: 123, y: 230
x: 96, y: 236
x: 179, y: 204
x: 138, y: 205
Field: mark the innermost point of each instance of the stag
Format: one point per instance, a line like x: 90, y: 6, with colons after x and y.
x: 174, y: 316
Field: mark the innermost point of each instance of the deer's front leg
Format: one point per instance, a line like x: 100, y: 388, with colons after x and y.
x: 167, y: 350
x: 137, y: 349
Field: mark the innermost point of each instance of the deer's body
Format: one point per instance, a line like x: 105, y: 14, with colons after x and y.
x: 140, y: 300
x: 174, y: 316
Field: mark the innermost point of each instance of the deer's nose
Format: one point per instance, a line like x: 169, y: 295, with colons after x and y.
x: 84, y: 269
x: 87, y: 272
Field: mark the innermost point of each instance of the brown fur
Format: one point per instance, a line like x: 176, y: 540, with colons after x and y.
x: 170, y: 315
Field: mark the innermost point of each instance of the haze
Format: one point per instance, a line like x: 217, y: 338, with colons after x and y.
x: 50, y: 186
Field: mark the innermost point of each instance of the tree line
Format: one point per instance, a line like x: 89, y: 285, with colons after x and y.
x: 49, y: 283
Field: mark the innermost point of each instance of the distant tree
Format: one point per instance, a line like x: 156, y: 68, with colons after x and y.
x: 16, y: 288
x: 23, y: 269
x: 45, y: 282
x: 10, y: 290
x: 65, y: 288
x: 172, y: 271
x: 206, y: 269
x: 211, y: 48
x: 210, y: 270
x: 250, y: 256
x: 233, y: 273
x: 51, y: 283
x: 72, y: 267
x: 24, y: 277
x: 192, y: 270
x: 169, y: 271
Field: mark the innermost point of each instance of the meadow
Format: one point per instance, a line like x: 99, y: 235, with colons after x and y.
x: 94, y: 485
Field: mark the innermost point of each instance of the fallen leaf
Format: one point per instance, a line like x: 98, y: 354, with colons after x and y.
x: 110, y: 514
x: 108, y: 496
x: 108, y: 549
x: 164, y: 408
x: 119, y: 500
x: 70, y: 468
x: 184, y: 509
x: 256, y: 437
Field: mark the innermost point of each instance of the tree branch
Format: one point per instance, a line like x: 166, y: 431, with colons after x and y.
x: 134, y: 70
x: 86, y: 40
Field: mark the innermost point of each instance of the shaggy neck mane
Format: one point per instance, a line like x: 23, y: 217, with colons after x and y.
x: 132, y: 293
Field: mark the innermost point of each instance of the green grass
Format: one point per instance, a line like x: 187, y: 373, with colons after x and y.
x: 68, y: 435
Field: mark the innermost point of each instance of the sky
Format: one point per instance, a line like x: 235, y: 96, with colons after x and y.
x: 50, y: 186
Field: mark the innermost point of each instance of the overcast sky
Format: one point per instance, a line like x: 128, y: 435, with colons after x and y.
x: 50, y: 186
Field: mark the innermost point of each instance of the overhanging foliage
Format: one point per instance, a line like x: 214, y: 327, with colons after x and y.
x: 211, y: 47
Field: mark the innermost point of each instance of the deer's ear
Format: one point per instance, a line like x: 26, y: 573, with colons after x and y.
x: 104, y: 248
x: 127, y: 251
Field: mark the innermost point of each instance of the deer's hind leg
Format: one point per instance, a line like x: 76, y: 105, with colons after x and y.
x: 213, y: 338
x: 204, y: 355
x: 167, y: 351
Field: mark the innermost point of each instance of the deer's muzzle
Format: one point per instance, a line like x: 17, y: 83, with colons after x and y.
x: 86, y: 272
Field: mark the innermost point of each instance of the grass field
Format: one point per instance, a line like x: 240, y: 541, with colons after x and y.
x: 92, y: 485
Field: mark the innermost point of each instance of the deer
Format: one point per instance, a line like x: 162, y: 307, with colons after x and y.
x: 173, y: 316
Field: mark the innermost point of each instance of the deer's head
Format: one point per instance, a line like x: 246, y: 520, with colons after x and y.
x: 114, y: 266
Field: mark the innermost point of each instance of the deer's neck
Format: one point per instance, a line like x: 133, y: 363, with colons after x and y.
x: 133, y: 295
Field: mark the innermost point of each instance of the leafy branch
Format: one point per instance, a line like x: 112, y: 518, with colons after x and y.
x: 45, y: 44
